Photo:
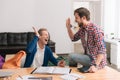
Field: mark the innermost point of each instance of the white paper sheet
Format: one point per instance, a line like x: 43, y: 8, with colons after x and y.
x: 72, y: 76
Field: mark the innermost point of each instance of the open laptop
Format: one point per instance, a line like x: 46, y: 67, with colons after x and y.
x: 4, y: 74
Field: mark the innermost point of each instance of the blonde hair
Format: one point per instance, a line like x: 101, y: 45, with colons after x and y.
x: 41, y: 29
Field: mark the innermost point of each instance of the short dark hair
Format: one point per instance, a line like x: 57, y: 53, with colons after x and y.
x: 83, y: 12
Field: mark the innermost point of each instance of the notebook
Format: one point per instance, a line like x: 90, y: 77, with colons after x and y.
x: 52, y: 70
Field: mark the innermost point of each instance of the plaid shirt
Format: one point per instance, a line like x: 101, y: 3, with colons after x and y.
x: 94, y: 44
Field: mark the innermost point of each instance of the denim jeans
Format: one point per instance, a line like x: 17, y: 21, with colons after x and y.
x: 83, y: 59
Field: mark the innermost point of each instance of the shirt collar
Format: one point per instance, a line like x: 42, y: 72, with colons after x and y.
x: 88, y: 26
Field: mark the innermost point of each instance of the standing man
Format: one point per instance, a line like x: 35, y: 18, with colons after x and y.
x: 92, y: 38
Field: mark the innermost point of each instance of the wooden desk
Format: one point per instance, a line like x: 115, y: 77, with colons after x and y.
x: 105, y: 74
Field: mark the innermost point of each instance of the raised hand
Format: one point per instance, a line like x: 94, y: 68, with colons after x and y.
x: 68, y: 23
x: 36, y: 32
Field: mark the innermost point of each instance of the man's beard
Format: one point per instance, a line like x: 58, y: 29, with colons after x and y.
x: 81, y: 25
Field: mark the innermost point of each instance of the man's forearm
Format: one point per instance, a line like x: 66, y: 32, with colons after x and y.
x: 99, y: 58
x: 71, y: 35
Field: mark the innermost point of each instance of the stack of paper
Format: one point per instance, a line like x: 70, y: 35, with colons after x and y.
x: 71, y: 76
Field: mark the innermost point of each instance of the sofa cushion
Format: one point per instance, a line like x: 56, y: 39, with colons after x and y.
x: 3, y: 39
x: 17, y: 39
x: 30, y: 36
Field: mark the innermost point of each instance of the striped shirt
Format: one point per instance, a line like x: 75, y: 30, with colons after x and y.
x: 94, y: 44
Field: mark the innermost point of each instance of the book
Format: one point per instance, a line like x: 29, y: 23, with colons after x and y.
x: 52, y: 70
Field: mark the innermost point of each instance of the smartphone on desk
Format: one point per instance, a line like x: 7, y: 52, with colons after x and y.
x: 39, y: 78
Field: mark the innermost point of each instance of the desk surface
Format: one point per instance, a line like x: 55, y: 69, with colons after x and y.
x: 105, y: 74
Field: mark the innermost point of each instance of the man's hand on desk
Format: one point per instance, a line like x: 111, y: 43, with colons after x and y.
x: 92, y: 69
x: 61, y: 63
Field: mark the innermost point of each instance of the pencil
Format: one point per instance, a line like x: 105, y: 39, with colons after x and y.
x: 20, y: 76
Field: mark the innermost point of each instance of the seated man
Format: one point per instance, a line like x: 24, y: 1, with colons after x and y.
x: 38, y: 54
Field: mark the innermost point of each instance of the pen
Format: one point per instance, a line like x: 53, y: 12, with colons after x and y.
x: 34, y: 78
x: 20, y: 76
x: 33, y: 71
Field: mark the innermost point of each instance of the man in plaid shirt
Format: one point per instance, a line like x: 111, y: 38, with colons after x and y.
x: 92, y: 38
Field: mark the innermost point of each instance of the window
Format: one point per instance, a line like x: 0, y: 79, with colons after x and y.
x: 95, y: 8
